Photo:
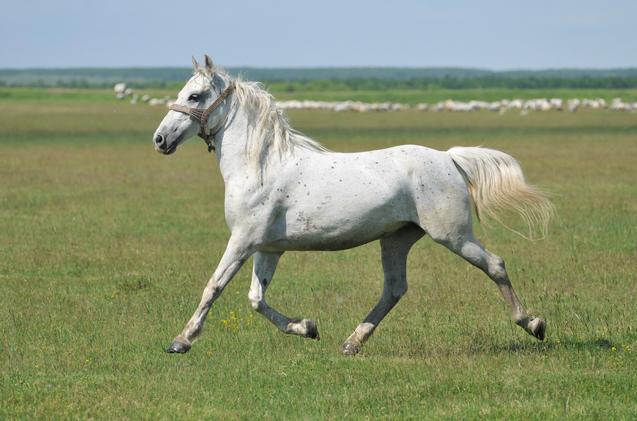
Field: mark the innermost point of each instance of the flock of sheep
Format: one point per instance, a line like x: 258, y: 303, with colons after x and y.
x: 538, y: 104
x: 122, y: 92
x: 523, y: 105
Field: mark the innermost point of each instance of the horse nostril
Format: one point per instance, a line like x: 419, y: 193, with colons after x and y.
x: 159, y: 140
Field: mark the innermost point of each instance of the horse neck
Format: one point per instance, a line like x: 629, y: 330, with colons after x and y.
x: 234, y: 164
x: 230, y: 147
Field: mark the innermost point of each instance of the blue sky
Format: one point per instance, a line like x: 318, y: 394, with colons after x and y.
x: 487, y: 34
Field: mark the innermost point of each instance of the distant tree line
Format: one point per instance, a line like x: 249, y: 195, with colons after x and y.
x: 480, y: 82
x: 318, y: 79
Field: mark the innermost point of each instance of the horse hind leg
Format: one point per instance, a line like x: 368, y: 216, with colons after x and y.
x: 465, y: 245
x: 394, y: 250
x: 262, y: 273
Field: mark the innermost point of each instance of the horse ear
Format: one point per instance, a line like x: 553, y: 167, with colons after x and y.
x: 195, y: 65
x: 209, y: 65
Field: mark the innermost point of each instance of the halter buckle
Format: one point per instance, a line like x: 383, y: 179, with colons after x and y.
x: 206, y: 139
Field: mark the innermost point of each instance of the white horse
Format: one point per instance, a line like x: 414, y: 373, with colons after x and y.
x: 284, y: 191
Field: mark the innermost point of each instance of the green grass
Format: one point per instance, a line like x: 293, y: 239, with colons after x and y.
x: 56, y: 95
x: 105, y: 247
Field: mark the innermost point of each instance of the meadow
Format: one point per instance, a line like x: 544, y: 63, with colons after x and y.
x: 105, y: 247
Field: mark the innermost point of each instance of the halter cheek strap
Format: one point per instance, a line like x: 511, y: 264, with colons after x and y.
x: 201, y: 116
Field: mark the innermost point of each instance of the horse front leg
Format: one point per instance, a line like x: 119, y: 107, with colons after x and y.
x: 262, y: 274
x: 233, y: 258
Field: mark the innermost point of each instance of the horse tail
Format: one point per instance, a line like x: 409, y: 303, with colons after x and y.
x: 496, y: 183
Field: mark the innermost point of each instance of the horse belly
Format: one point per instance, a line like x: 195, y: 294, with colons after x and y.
x: 338, y: 238
x: 342, y: 219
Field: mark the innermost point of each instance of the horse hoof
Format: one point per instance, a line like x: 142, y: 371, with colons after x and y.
x: 178, y: 347
x: 311, y: 330
x: 537, y: 327
x: 350, y: 348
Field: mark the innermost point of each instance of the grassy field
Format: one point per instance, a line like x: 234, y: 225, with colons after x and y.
x: 105, y: 247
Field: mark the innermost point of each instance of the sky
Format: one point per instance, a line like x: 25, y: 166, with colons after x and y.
x: 405, y: 33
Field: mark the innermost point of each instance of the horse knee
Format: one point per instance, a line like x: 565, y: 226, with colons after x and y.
x: 399, y: 290
x: 496, y: 268
x: 213, y: 291
x: 395, y: 291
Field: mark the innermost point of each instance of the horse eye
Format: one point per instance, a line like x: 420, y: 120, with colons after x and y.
x: 193, y: 97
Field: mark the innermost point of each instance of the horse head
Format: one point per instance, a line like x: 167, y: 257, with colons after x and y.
x: 196, y: 110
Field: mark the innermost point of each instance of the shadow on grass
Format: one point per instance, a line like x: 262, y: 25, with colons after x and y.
x: 599, y: 344
x: 484, y: 348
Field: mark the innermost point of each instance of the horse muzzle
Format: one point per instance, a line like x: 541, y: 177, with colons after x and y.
x: 162, y: 146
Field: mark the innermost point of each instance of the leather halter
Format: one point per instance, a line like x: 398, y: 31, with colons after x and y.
x: 201, y: 116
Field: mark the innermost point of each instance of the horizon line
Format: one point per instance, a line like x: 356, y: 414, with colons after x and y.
x: 318, y: 67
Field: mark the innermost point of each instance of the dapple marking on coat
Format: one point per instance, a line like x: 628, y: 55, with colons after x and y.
x: 284, y: 191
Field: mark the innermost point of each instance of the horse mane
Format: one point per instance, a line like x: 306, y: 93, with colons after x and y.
x: 269, y: 131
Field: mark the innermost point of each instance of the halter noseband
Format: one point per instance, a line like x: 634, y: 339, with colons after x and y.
x: 201, y: 116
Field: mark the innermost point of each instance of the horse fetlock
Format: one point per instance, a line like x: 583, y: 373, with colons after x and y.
x: 521, y: 320
x: 534, y: 326
x: 179, y: 346
x: 303, y: 327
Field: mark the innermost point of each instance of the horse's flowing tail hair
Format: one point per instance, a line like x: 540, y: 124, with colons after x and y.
x: 495, y: 182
